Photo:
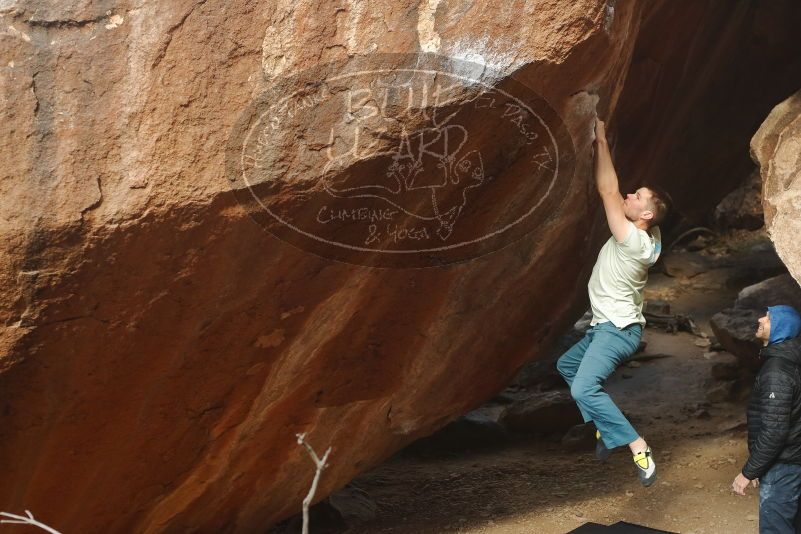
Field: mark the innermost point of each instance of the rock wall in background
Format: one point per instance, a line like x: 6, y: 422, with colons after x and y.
x: 160, y: 350
x: 703, y: 73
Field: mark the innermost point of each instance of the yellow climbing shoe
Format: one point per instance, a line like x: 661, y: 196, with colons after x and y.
x: 646, y: 468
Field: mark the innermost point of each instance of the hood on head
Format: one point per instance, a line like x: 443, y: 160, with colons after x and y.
x: 785, y: 323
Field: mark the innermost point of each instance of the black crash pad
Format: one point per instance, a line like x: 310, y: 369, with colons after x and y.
x: 621, y: 527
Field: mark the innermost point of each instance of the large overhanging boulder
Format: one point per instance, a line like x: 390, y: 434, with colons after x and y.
x: 776, y: 147
x: 160, y: 350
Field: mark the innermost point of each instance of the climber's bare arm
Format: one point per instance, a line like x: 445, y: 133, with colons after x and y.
x: 606, y: 181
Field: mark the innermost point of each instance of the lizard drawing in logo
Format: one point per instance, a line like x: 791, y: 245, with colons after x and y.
x: 427, y: 177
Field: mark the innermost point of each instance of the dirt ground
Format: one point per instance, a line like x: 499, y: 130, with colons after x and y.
x: 533, y: 485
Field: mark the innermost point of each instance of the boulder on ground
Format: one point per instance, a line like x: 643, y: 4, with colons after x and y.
x: 579, y: 437
x: 726, y: 370
x: 475, y: 430
x: 722, y: 391
x: 735, y: 327
x: 782, y: 289
x: 543, y: 414
x: 742, y: 208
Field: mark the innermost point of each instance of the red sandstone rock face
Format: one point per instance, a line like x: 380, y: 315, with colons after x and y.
x: 776, y: 147
x: 160, y: 350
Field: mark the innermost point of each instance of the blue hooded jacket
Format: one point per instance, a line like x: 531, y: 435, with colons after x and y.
x: 785, y: 323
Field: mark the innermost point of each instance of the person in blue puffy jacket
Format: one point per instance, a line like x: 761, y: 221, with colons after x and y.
x: 774, y: 423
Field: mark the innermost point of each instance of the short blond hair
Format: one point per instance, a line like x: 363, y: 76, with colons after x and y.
x: 659, y: 205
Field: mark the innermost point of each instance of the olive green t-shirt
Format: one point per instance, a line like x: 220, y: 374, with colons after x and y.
x: 619, y: 276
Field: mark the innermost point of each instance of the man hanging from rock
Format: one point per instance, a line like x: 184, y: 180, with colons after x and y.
x: 774, y: 423
x: 615, y: 290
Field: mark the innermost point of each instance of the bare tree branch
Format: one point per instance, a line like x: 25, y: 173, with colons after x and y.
x: 23, y: 520
x: 320, y: 464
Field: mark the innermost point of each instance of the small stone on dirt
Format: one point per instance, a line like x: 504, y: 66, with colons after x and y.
x: 721, y: 392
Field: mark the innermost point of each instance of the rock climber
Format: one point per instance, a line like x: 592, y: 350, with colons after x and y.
x: 615, y: 290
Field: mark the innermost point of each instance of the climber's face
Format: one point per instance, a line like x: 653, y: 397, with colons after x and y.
x: 637, y: 205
